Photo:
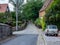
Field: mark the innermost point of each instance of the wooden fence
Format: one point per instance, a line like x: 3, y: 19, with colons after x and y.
x: 5, y: 30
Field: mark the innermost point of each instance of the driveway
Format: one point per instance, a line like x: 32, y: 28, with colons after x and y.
x: 29, y: 36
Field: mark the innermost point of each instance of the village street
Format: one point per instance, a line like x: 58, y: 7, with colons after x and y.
x: 30, y: 20
x: 32, y: 36
x: 29, y: 36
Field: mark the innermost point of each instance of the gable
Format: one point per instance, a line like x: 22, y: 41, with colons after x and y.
x: 3, y: 8
x: 46, y: 4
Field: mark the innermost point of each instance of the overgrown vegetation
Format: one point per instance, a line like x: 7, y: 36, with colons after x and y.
x: 38, y: 23
x: 20, y: 19
x: 31, y: 9
x: 5, y: 18
x: 53, y: 13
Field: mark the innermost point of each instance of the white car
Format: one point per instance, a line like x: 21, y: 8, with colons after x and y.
x: 51, y: 30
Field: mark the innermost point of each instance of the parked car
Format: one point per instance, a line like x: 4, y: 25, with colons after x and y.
x: 51, y: 30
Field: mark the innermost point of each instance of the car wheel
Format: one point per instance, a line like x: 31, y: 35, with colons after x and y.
x: 56, y: 34
x: 46, y: 34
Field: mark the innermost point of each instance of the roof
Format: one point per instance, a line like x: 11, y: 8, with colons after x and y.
x: 3, y: 8
x: 46, y: 4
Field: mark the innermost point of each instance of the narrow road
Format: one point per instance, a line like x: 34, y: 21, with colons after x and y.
x: 29, y: 36
x: 23, y: 40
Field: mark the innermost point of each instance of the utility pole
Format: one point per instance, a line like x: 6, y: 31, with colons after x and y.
x: 16, y: 15
x: 18, y: 4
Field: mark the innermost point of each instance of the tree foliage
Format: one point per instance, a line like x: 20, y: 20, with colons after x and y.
x: 53, y: 13
x: 31, y: 9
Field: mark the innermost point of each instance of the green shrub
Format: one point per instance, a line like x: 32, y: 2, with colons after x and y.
x: 19, y: 23
x: 53, y: 14
x: 3, y: 18
x: 37, y: 22
x: 43, y: 24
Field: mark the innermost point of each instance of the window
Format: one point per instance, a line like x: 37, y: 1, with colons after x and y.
x: 52, y: 27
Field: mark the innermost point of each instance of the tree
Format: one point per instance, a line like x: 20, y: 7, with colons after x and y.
x: 53, y: 13
x: 31, y: 9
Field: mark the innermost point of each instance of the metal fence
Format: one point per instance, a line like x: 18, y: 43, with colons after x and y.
x: 5, y: 30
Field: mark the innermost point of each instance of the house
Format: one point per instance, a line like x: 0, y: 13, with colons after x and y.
x: 4, y: 8
x: 42, y: 11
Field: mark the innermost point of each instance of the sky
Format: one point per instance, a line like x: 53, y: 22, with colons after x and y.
x: 10, y: 5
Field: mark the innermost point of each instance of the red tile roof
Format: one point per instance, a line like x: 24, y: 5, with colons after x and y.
x: 46, y: 4
x: 3, y: 8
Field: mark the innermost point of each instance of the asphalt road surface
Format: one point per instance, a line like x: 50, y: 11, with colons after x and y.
x: 27, y: 39
x: 29, y: 36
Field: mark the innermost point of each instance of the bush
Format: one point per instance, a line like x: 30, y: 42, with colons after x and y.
x: 38, y: 23
x: 19, y: 23
x: 43, y: 24
x: 4, y: 18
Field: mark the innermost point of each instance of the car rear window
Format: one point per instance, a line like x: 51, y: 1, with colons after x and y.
x: 52, y: 27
